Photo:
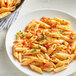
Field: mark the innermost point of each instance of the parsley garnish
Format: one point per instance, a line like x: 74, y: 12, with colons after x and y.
x: 22, y: 35
x: 33, y: 50
x: 39, y: 46
x: 62, y: 20
x: 17, y: 34
x: 51, y: 31
x: 61, y: 31
x: 44, y: 37
x: 58, y: 51
x: 54, y: 55
x: 20, y: 31
x: 63, y: 47
x: 49, y: 60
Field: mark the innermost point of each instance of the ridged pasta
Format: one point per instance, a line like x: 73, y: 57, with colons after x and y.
x: 46, y: 45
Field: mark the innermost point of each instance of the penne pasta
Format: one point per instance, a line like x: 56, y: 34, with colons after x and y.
x: 37, y: 69
x: 36, y: 46
x: 62, y: 56
x: 47, y: 45
x: 64, y: 22
x: 4, y: 14
x: 21, y: 49
x: 26, y: 62
x: 19, y: 57
x: 51, y: 49
x: 63, y: 27
x: 73, y: 45
x: 57, y: 41
x: 60, y: 69
x: 43, y: 25
x: 48, y: 69
x: 7, y: 6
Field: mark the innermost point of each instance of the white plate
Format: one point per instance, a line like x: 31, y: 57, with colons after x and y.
x: 20, y: 25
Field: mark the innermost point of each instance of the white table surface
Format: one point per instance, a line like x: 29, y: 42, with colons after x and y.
x: 6, y: 66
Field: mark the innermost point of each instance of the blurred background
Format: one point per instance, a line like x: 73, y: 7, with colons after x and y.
x: 6, y: 66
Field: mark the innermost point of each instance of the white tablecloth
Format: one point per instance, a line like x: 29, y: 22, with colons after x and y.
x: 6, y: 66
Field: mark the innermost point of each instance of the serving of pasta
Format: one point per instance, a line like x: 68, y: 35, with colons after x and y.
x: 46, y: 45
x: 7, y: 6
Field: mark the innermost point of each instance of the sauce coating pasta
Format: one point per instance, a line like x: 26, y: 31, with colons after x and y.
x: 46, y: 45
x: 7, y: 6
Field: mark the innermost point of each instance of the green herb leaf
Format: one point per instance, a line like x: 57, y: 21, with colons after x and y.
x: 49, y: 60
x: 62, y: 20
x: 61, y: 31
x: 44, y: 37
x: 17, y: 34
x: 63, y: 47
x: 39, y: 46
x: 58, y: 51
x: 33, y: 50
x: 54, y: 55
x: 20, y: 31
x: 51, y: 31
x: 22, y: 35
x: 59, y: 34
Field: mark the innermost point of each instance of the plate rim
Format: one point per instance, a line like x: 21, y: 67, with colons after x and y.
x: 42, y: 9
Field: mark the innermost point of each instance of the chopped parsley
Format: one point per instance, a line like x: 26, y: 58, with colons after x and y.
x: 43, y: 37
x: 22, y: 35
x: 61, y: 31
x: 47, y: 52
x: 63, y: 47
x: 39, y: 46
x: 17, y: 34
x: 33, y: 50
x: 49, y: 60
x: 51, y: 31
x: 58, y: 51
x: 54, y: 55
x: 20, y: 31
x: 59, y: 34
